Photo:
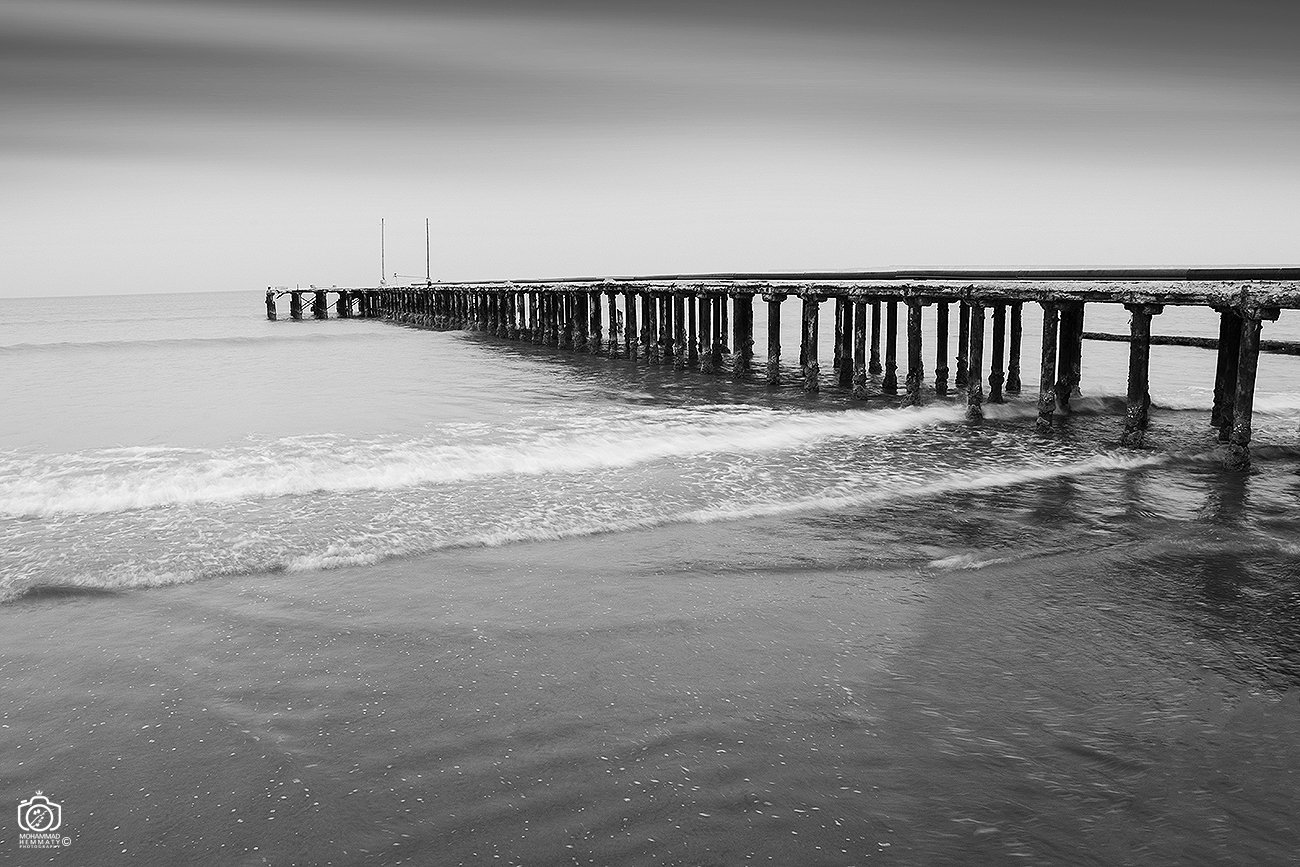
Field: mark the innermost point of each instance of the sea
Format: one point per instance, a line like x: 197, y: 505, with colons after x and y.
x: 349, y: 592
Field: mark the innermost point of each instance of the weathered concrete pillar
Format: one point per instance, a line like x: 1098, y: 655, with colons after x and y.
x: 1069, y: 359
x: 915, y: 361
x: 320, y: 305
x: 811, y: 369
x: 594, y: 322
x: 874, y: 368
x: 846, y: 345
x: 774, y: 300
x: 708, y: 354
x: 997, y: 374
x: 681, y: 353
x: 270, y: 304
x: 1139, y: 362
x: 1237, y: 455
x: 631, y: 332
x: 666, y: 328
x: 1047, y: 372
x: 859, y: 349
x: 941, y: 351
x: 963, y: 344
x: 837, y: 339
x: 1013, y: 364
x: 743, y: 343
x: 692, y: 330
x: 648, y: 328
x: 580, y: 318
x: 295, y: 305
x: 890, y: 383
x: 1225, y: 374
x: 611, y: 298
x: 975, y: 373
x: 723, y: 327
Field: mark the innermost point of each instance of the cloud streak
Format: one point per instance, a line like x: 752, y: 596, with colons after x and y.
x: 859, y: 118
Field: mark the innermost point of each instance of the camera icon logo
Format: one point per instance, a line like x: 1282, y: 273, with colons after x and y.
x: 39, y: 815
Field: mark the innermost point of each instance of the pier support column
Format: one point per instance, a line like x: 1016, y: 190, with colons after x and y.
x: 581, y: 320
x: 890, y: 383
x: 1047, y: 372
x: 774, y: 300
x: 963, y: 344
x: 648, y: 328
x: 743, y: 340
x: 837, y: 341
x: 941, y: 351
x: 594, y: 323
x: 846, y: 344
x: 723, y: 326
x: 681, y: 352
x: 975, y: 372
x: 808, y: 351
x: 692, y: 329
x: 1139, y: 362
x: 295, y: 305
x: 1013, y: 362
x: 611, y: 297
x: 270, y: 305
x: 707, y: 354
x: 859, y: 349
x: 319, y: 305
x: 1069, y: 363
x: 915, y: 368
x: 565, y: 302
x: 631, y: 331
x: 1225, y: 374
x: 1237, y: 455
x: 874, y: 367
x: 997, y: 374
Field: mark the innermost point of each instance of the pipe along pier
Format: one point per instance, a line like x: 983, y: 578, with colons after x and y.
x: 686, y: 320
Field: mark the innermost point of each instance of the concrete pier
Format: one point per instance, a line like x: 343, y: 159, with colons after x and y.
x: 687, y: 320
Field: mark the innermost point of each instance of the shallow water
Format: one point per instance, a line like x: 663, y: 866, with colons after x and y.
x: 438, y: 598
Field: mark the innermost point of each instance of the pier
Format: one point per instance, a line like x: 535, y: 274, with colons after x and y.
x: 705, y: 322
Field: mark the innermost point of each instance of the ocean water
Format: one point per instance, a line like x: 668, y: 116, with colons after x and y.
x: 348, y: 592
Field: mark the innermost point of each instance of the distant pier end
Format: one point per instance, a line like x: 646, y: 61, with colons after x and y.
x: 682, y: 320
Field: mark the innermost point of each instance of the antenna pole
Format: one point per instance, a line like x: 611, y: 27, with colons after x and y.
x: 382, y: 269
x: 426, y: 250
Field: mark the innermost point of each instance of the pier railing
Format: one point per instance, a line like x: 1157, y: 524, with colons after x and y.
x: 683, y: 320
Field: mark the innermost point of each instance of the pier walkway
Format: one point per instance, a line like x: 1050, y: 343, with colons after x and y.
x: 687, y: 320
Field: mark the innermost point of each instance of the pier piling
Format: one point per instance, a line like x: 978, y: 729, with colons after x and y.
x: 874, y: 368
x: 996, y: 373
x: 914, y: 358
x: 1137, y: 408
x: 773, y: 337
x: 860, y: 349
x: 808, y: 349
x: 975, y: 371
x: 1047, y: 379
x: 963, y: 343
x: 890, y: 383
x: 941, y: 350
x: 1013, y: 365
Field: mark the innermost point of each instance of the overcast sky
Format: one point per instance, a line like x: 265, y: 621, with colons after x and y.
x: 193, y: 145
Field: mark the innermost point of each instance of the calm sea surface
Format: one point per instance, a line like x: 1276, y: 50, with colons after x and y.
x: 346, y: 592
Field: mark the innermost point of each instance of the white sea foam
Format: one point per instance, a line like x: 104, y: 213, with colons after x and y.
x: 118, y: 480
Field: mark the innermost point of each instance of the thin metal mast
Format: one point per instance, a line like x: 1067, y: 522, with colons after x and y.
x: 426, y: 250
x: 382, y: 270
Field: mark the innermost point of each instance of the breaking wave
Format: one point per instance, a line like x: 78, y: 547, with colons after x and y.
x: 141, y: 478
